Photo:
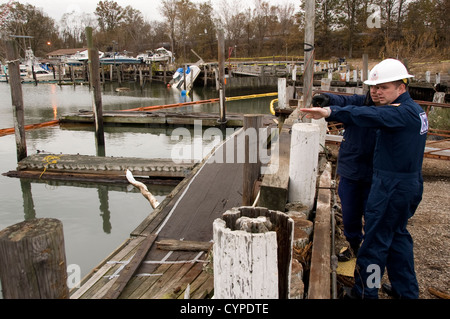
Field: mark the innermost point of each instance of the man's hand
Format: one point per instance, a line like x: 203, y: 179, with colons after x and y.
x: 316, y: 113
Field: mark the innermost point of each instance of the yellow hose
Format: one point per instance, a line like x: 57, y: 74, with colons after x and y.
x: 272, y: 109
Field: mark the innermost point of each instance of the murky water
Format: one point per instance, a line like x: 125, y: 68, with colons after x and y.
x: 96, y: 218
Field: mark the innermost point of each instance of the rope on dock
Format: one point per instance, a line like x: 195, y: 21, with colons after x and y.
x: 49, y: 159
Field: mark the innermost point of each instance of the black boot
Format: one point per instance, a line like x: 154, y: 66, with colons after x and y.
x: 350, y: 294
x: 387, y: 289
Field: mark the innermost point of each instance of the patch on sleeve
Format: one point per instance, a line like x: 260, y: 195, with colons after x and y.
x: 424, y: 121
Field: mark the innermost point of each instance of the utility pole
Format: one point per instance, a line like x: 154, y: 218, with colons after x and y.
x: 308, y: 74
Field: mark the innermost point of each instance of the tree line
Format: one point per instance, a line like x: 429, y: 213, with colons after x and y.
x: 413, y: 29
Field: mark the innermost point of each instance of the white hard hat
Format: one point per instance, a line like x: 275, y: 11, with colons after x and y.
x: 388, y: 70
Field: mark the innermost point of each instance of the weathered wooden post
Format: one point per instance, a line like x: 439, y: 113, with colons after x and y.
x: 72, y: 75
x: 303, y: 163
x: 16, y: 98
x: 103, y: 74
x: 94, y: 64
x: 184, y: 77
x: 141, y: 79
x: 252, y: 254
x: 282, y: 93
x: 33, y: 261
x: 221, y: 49
x: 59, y: 73
x: 308, y: 75
x: 252, y: 164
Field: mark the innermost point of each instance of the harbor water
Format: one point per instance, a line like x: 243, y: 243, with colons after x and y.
x: 97, y: 218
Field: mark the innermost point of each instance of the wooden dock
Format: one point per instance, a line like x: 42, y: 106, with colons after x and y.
x: 97, y: 168
x: 167, y: 255
x: 157, y: 118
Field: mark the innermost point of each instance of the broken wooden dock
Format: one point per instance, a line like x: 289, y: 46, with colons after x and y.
x: 162, y: 118
x: 97, y: 168
x: 166, y: 256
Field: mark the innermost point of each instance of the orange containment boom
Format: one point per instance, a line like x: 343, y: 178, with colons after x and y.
x: 8, y: 131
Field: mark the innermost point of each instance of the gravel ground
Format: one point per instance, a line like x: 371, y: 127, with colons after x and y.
x: 430, y: 229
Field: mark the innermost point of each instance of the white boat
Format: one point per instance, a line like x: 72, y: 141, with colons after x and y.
x: 179, y: 78
x: 35, y: 70
x: 160, y: 55
x: 4, y: 72
x: 115, y: 58
x: 79, y: 58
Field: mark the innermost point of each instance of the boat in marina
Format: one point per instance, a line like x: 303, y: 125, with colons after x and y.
x: 116, y: 58
x: 31, y: 70
x: 79, y: 58
x: 183, y: 81
x: 159, y: 55
x: 4, y: 72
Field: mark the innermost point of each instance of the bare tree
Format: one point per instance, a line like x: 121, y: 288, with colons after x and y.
x: 169, y: 11
x: 136, y: 30
x: 261, y: 18
x: 72, y: 27
x: 109, y: 15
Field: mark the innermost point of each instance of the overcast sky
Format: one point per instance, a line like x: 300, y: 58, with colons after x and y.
x: 149, y: 8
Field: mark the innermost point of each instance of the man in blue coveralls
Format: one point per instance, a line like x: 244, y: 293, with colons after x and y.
x: 397, y: 183
x: 354, y: 167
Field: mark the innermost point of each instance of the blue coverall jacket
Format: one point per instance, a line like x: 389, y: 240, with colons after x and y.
x: 396, y: 191
x: 355, y: 169
x: 358, y: 143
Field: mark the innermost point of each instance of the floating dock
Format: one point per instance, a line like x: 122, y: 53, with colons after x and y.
x: 98, y: 169
x: 154, y: 118
x: 167, y: 255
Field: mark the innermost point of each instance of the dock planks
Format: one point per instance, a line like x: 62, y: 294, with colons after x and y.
x: 187, y: 214
x: 96, y: 168
x: 155, y: 118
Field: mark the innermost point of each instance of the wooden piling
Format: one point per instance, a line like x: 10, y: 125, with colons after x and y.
x: 221, y: 49
x: 303, y: 164
x: 33, y: 261
x: 16, y: 98
x: 275, y: 187
x: 252, y: 165
x: 141, y: 79
x: 252, y: 254
x: 308, y: 75
x: 72, y: 75
x: 97, y: 95
x: 60, y: 74
x: 365, y: 71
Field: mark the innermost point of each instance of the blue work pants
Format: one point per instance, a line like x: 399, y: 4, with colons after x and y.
x: 393, y: 199
x: 353, y: 195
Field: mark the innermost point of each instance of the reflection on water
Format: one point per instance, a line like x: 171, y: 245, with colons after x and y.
x: 28, y: 205
x: 96, y: 218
